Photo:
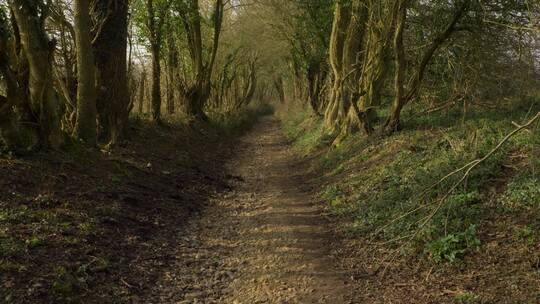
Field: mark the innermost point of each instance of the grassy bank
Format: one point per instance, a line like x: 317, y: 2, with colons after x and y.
x: 378, y: 190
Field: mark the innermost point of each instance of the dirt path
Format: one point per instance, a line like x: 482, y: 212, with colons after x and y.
x: 264, y: 241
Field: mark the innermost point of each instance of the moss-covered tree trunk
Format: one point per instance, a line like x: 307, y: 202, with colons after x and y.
x: 376, y: 63
x: 399, y: 58
x: 298, y: 81
x: 316, y: 76
x: 249, y: 85
x: 38, y: 52
x: 142, y: 91
x: 85, y: 126
x: 9, y: 125
x: 196, y: 94
x: 345, y: 49
x: 337, y: 109
x: 279, y: 88
x: 373, y: 80
x: 352, y: 65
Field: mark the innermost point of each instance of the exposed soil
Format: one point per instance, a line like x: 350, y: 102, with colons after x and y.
x: 176, y: 216
x: 263, y: 242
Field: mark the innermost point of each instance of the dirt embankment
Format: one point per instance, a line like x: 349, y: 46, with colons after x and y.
x: 103, y: 227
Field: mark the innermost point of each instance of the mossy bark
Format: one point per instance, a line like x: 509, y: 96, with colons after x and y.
x: 156, y: 83
x: 337, y: 109
x: 347, y: 41
x: 155, y: 26
x: 85, y: 126
x: 9, y: 126
x: 38, y: 53
x: 377, y: 64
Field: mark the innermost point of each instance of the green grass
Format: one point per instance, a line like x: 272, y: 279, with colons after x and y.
x: 466, y: 297
x: 306, y: 132
x: 378, y: 180
x: 523, y: 192
x: 452, y: 246
x: 238, y: 122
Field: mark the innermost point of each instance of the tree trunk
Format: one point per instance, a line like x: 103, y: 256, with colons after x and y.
x: 335, y: 111
x: 156, y: 83
x: 352, y: 67
x: 155, y: 24
x: 85, y: 127
x: 172, y: 65
x: 405, y: 95
x: 298, y: 81
x: 278, y: 85
x: 38, y: 51
x: 346, y: 44
x: 393, y: 123
x: 142, y: 87
x: 250, y: 86
x: 376, y: 64
x: 315, y: 77
x: 110, y: 50
x: 196, y: 95
x: 9, y: 126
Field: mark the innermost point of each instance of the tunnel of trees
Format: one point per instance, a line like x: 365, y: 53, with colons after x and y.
x: 421, y: 117
x: 78, y: 70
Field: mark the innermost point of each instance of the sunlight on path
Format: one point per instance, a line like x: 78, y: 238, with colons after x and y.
x: 262, y: 241
x: 284, y: 240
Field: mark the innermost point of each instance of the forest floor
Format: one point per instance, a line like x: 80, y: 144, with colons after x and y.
x: 266, y: 236
x: 193, y: 215
x: 176, y: 215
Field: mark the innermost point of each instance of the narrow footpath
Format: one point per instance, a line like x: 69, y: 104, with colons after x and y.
x: 263, y: 241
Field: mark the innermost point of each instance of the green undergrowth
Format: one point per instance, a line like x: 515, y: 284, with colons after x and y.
x: 234, y: 122
x: 380, y: 185
x: 237, y: 122
x: 306, y: 132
